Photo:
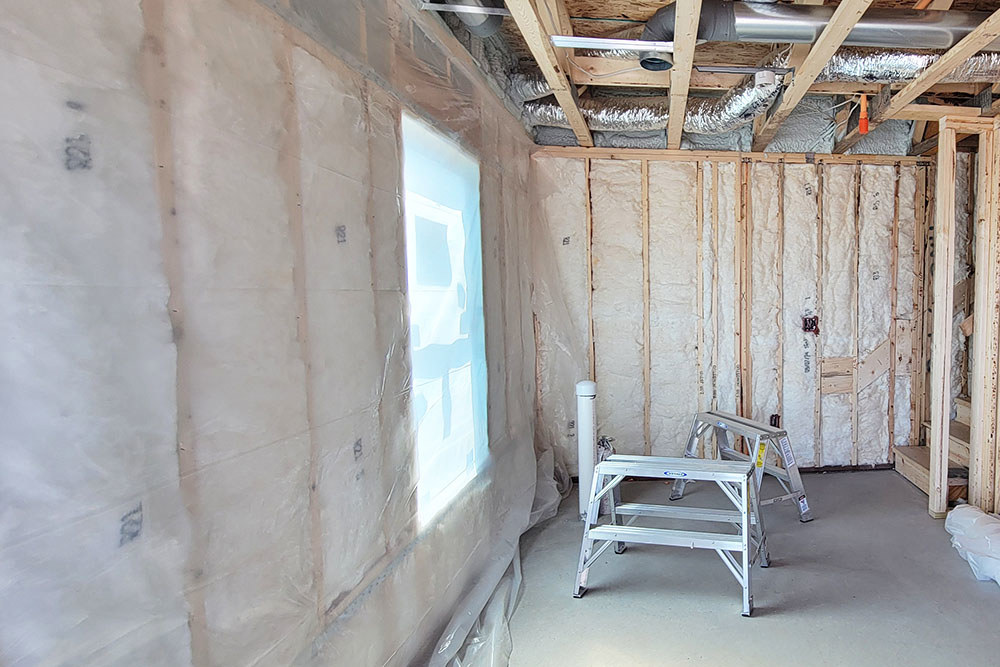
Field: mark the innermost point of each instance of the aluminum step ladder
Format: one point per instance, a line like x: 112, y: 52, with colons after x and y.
x: 739, y: 551
x: 762, y: 439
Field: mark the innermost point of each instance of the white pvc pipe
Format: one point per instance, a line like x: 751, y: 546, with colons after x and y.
x: 586, y: 432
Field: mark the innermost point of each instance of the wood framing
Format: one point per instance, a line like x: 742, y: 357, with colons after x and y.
x: 545, y: 56
x: 723, y: 327
x: 591, y: 349
x: 986, y: 32
x: 983, y: 421
x: 844, y: 18
x: 595, y: 71
x: 685, y: 36
x: 893, y: 328
x: 944, y: 270
x: 658, y: 154
x: 646, y: 359
x: 935, y: 112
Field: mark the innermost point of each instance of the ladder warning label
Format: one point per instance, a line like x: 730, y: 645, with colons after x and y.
x: 786, y: 452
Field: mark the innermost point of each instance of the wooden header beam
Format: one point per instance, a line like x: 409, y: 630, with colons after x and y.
x: 685, y: 36
x: 847, y: 14
x: 537, y: 39
x: 985, y: 32
x: 667, y: 155
x: 935, y: 112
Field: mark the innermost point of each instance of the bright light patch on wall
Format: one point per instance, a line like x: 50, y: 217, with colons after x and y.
x: 445, y: 294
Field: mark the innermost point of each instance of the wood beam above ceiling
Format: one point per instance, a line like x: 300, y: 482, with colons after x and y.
x: 537, y: 38
x: 986, y: 32
x: 847, y: 14
x: 685, y: 37
x: 597, y: 71
x: 935, y: 112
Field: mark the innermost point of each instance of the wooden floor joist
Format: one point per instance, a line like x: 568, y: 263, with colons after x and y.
x: 972, y: 43
x: 847, y: 14
x: 685, y: 37
x: 537, y: 39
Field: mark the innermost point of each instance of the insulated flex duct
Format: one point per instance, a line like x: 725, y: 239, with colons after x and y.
x: 705, y: 115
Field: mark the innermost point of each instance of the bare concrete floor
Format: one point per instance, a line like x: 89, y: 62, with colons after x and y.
x: 872, y: 580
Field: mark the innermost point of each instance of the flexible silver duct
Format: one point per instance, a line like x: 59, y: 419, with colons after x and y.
x: 526, y: 87
x: 892, y: 66
x: 744, y: 102
x: 705, y: 115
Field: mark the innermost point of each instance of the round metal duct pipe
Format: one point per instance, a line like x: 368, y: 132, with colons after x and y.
x: 480, y: 25
x: 900, y: 28
x: 725, y: 21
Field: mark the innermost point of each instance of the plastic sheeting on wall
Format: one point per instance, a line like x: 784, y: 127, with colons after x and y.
x: 560, y: 297
x: 203, y: 245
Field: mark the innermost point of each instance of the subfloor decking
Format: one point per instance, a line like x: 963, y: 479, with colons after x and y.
x: 873, y: 580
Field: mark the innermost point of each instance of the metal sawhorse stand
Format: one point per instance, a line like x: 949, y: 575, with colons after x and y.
x: 733, y: 477
x: 760, y: 437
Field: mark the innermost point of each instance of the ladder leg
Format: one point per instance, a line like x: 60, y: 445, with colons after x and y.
x: 745, y: 556
x: 614, y: 499
x: 758, y: 526
x: 690, y: 452
x: 587, y: 546
x: 794, y: 479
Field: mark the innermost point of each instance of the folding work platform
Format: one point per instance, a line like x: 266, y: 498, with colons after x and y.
x: 762, y: 439
x: 736, y: 480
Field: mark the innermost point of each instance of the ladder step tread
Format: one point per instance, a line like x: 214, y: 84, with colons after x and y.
x: 687, y: 513
x: 675, y: 467
x: 667, y: 537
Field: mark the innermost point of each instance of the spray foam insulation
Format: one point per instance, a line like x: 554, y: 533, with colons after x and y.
x: 765, y: 302
x: 707, y: 348
x: 875, y: 221
x: 838, y: 317
x: 812, y: 253
x: 673, y: 304
x: 616, y: 209
x: 726, y: 271
x: 800, y: 268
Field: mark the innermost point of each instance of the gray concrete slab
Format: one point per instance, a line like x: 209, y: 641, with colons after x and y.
x: 873, y: 580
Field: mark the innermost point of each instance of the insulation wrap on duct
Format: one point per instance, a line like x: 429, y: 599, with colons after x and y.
x: 526, y: 87
x: 743, y: 103
x: 894, y: 66
x: 704, y: 115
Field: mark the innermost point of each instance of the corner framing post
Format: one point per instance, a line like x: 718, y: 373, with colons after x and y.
x: 944, y: 270
x: 986, y: 327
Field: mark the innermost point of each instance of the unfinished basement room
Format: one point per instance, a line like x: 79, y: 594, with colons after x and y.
x: 474, y: 333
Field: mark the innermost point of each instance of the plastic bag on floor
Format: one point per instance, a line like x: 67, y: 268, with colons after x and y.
x: 976, y: 536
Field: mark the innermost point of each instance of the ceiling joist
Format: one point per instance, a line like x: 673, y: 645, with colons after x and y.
x: 847, y: 14
x: 537, y: 37
x: 986, y: 32
x: 685, y: 37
